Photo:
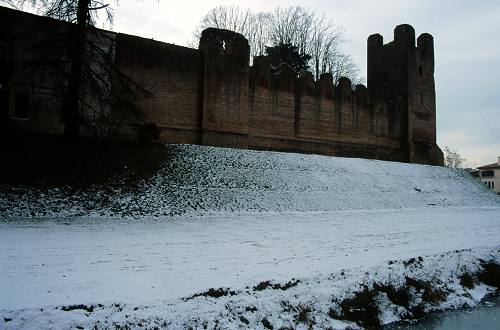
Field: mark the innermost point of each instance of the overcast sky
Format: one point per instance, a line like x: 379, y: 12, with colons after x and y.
x: 467, y: 51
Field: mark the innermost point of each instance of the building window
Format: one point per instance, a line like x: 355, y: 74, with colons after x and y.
x: 492, y: 184
x: 21, y: 108
x: 420, y: 71
x: 4, y: 102
x: 5, y: 62
x: 487, y: 174
x: 385, y: 78
x: 5, y: 54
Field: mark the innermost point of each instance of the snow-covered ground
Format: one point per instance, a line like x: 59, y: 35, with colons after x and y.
x: 282, y: 240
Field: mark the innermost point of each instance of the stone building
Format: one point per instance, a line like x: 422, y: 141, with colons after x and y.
x: 490, y: 176
x: 211, y: 96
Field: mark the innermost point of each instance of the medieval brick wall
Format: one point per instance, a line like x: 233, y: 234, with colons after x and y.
x: 225, y: 88
x: 211, y: 96
x: 26, y: 79
x: 299, y: 114
x: 171, y: 75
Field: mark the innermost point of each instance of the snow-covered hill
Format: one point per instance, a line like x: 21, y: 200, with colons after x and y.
x: 197, y: 180
x: 230, y: 239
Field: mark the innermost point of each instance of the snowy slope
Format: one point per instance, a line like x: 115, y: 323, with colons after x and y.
x: 206, y: 180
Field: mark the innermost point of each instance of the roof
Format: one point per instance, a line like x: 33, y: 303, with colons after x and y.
x: 489, y: 167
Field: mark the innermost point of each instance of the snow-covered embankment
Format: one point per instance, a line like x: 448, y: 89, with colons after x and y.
x: 230, y: 238
x: 199, y: 180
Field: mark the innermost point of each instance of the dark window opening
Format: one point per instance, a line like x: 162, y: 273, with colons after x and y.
x: 5, y: 54
x: 385, y: 77
x: 4, y: 103
x: 21, y: 109
x: 5, y: 63
x: 487, y: 174
x: 421, y: 98
x: 420, y: 71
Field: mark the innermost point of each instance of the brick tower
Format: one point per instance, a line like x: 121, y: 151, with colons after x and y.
x: 401, y: 83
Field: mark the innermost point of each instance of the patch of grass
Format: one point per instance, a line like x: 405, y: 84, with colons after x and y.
x: 467, y: 280
x: 252, y: 309
x: 334, y: 314
x: 303, y: 314
x: 244, y: 320
x: 277, y: 286
x: 265, y: 322
x: 289, y: 284
x: 362, y: 309
x: 431, y: 293
x: 214, y: 293
x: 262, y: 286
x: 86, y: 308
x: 418, y: 311
x: 286, y: 306
x: 434, y: 295
x: 417, y: 284
x: 399, y: 296
x: 413, y: 261
x: 490, y: 275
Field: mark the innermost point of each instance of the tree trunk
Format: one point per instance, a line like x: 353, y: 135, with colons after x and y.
x: 316, y: 60
x: 71, y: 108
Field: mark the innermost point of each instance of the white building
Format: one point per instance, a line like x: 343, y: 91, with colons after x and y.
x: 490, y: 176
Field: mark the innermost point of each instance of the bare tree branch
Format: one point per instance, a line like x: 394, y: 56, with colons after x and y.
x: 312, y: 34
x: 453, y: 159
x: 96, y: 94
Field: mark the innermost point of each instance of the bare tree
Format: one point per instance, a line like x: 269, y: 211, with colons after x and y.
x: 453, y: 159
x: 258, y: 33
x: 292, y: 25
x: 96, y: 93
x: 342, y: 65
x: 231, y: 18
x: 313, y: 35
x: 324, y: 45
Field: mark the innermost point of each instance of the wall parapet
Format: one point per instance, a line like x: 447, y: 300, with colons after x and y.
x: 212, y: 96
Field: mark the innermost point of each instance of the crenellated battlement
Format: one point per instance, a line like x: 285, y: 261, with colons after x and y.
x: 211, y: 95
x: 284, y: 79
x: 401, y: 83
